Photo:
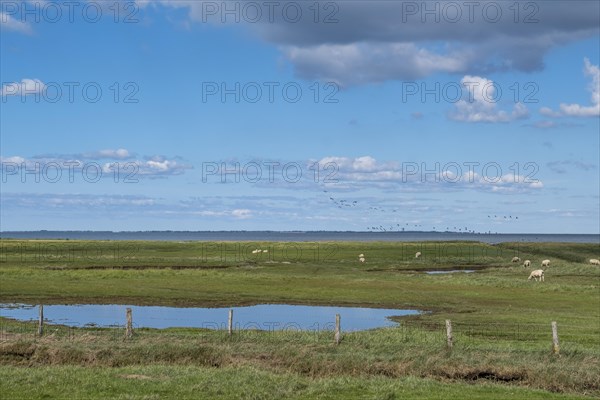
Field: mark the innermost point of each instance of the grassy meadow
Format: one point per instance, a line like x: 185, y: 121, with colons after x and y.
x: 501, y: 320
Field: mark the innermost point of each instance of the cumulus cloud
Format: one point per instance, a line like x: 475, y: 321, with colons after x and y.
x: 366, y: 172
x: 548, y: 112
x: 25, y: 87
x: 577, y: 110
x: 7, y: 22
x: 481, y: 103
x: 375, y: 41
x: 358, y: 164
x: 340, y: 173
x: 161, y: 165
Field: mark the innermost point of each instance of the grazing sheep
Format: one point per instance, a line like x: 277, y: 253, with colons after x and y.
x: 516, y: 259
x: 361, y: 255
x: 545, y: 263
x: 255, y: 251
x: 361, y: 259
x: 265, y: 251
x: 527, y: 264
x: 594, y: 261
x: 418, y: 254
x: 538, y: 273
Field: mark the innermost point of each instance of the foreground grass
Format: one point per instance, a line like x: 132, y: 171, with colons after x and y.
x: 190, y: 382
x: 382, y: 355
x: 489, y: 359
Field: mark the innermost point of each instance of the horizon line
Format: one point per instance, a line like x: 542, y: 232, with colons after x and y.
x: 291, y: 231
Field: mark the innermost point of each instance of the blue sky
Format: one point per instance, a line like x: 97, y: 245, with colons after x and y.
x: 421, y: 120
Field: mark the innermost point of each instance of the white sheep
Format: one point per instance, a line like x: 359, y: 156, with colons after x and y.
x: 515, y: 259
x: 361, y: 259
x: 538, y: 273
x: 594, y: 261
x: 546, y: 263
x: 255, y: 251
x: 361, y: 255
x: 265, y: 251
x: 527, y: 264
x: 418, y: 254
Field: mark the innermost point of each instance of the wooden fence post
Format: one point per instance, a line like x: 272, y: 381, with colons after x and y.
x: 338, y: 330
x: 555, y: 345
x: 230, y: 322
x: 41, y: 321
x: 129, y: 327
x: 449, y: 333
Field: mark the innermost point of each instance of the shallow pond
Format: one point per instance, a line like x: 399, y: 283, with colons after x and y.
x: 263, y: 317
x: 449, y: 271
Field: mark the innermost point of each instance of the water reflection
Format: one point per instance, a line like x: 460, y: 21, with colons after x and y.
x: 263, y: 317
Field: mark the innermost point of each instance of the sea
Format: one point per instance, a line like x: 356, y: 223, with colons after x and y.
x: 304, y: 236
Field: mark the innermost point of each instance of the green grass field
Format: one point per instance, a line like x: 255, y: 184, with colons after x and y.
x: 501, y: 321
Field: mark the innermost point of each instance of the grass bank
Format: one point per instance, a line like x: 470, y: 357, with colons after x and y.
x: 487, y: 307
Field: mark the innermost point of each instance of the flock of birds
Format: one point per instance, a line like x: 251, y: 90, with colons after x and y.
x: 393, y: 213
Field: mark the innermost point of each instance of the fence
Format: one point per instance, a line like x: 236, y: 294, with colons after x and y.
x: 447, y: 333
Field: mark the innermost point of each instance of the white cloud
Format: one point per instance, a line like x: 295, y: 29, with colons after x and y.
x: 358, y: 164
x: 149, y: 168
x: 159, y: 165
x: 548, y: 112
x: 25, y: 87
x: 367, y: 172
x: 481, y: 103
x: 12, y: 160
x: 577, y: 110
x: 241, y: 213
x: 360, y: 63
x: 113, y: 162
x: 374, y: 41
x: 9, y: 23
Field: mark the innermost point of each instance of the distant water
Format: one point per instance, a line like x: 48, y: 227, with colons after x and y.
x: 312, y: 236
